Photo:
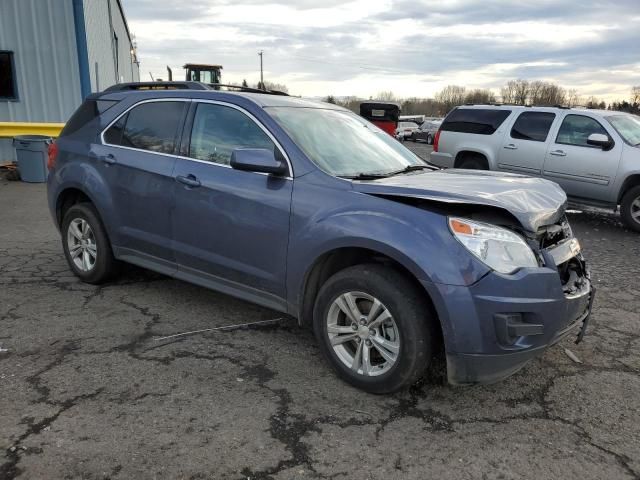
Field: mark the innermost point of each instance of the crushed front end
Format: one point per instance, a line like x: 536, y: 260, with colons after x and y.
x: 503, y: 321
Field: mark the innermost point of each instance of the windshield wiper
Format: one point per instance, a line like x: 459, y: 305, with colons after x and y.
x: 367, y: 176
x: 411, y: 168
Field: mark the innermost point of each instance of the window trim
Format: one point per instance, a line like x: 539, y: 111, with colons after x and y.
x: 464, y: 108
x: 289, y: 176
x: 12, y: 63
x: 613, y: 144
x: 181, y: 124
x: 525, y: 112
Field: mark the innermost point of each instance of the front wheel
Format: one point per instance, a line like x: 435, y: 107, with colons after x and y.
x: 630, y: 208
x: 374, y: 327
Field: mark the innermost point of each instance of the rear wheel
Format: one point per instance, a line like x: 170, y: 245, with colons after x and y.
x: 86, y: 245
x: 429, y: 139
x: 374, y: 327
x: 630, y: 208
x: 473, y: 162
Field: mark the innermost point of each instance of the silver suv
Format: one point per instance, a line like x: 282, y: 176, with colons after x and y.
x: 594, y: 155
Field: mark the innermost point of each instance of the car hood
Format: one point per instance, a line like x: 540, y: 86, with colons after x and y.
x: 533, y: 201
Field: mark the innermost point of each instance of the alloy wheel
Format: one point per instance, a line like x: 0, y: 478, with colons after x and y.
x: 81, y: 243
x: 635, y: 210
x: 363, y: 333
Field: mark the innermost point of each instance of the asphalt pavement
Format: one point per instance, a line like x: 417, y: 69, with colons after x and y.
x: 87, y: 391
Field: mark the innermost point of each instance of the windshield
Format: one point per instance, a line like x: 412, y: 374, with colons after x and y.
x: 342, y: 143
x: 628, y: 126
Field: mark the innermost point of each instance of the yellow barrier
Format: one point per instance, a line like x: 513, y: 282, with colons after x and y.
x: 11, y: 129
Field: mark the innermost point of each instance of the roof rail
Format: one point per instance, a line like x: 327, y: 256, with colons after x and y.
x: 216, y: 86
x: 186, y: 85
x: 123, y: 87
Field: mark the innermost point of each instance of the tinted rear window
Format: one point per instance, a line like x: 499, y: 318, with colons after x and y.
x: 150, y: 126
x: 533, y: 126
x: 89, y: 110
x: 474, y: 120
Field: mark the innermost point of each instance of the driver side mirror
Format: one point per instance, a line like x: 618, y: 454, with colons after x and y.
x: 600, y: 140
x: 259, y: 160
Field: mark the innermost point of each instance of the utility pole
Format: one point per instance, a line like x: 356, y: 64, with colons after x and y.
x: 261, y: 77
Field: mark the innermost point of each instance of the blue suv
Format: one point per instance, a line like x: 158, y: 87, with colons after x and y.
x: 308, y: 209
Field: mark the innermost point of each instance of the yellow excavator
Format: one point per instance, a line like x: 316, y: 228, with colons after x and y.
x: 199, y: 72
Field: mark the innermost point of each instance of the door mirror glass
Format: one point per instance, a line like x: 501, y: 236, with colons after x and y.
x: 257, y: 160
x: 599, y: 140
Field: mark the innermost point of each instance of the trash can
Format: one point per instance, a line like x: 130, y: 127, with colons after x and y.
x: 31, y: 153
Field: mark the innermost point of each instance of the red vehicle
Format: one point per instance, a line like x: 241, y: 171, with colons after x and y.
x: 382, y: 114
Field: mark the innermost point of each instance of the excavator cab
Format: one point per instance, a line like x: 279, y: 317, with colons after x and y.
x: 203, y: 73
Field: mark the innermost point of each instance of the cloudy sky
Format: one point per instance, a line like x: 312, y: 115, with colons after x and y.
x: 411, y: 47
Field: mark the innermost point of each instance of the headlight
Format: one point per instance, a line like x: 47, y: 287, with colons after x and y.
x: 499, y: 248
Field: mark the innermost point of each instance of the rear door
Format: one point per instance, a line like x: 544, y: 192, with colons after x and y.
x: 138, y: 158
x: 582, y: 170
x: 230, y: 227
x: 524, y: 148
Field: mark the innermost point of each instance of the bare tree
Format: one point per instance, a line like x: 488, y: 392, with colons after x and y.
x: 387, y: 96
x: 276, y: 86
x: 480, y: 95
x: 515, y: 91
x: 573, y: 98
x: 551, y: 94
x: 635, y: 95
x: 449, y: 97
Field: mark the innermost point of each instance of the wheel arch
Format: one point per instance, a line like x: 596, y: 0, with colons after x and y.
x: 67, y: 198
x: 472, y: 152
x: 631, y: 181
x: 337, y: 259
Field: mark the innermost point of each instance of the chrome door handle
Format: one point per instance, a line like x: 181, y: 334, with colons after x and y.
x: 558, y: 153
x: 511, y: 146
x: 189, y: 180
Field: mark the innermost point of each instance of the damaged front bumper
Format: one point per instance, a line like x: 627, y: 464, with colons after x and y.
x: 503, y: 321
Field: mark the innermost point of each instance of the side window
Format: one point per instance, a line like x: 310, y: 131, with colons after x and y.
x: 151, y: 126
x: 533, y: 126
x: 474, y: 120
x: 218, y: 130
x: 113, y: 136
x: 7, y: 76
x: 575, y: 130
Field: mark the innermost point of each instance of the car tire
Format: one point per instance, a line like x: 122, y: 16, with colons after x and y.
x: 429, y: 140
x: 472, y: 163
x: 630, y: 208
x: 86, y: 245
x: 398, y: 350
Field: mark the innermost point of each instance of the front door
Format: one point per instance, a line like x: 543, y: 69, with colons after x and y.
x: 524, y: 148
x: 230, y: 227
x: 138, y: 158
x: 582, y: 170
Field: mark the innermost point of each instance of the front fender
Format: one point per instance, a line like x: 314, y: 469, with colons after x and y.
x: 417, y: 239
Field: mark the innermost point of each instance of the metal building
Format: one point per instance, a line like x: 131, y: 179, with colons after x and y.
x: 53, y: 53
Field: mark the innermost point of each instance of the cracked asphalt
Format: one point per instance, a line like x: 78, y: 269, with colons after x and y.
x: 87, y: 392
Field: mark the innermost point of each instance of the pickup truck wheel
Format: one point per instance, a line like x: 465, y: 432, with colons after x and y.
x: 86, y: 245
x: 630, y: 208
x: 374, y: 327
x: 472, y: 163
